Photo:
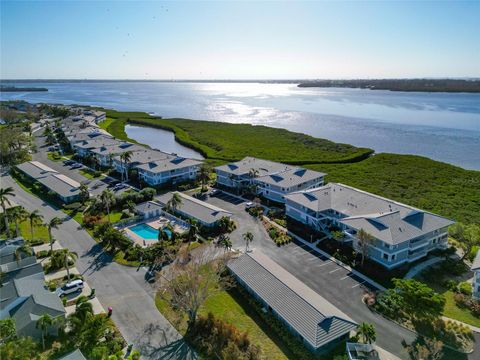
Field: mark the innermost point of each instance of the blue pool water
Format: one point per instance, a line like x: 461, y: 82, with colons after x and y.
x: 147, y: 232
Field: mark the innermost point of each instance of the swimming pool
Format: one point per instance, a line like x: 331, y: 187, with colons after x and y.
x: 147, y: 232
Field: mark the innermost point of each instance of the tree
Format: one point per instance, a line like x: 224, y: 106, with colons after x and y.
x: 191, y: 279
x: 84, y: 193
x: 248, y: 238
x: 24, y: 249
x: 35, y: 219
x: 5, y: 195
x: 44, y: 322
x: 364, y: 240
x: 428, y: 350
x: 7, y: 330
x: 18, y: 214
x: 204, y: 176
x: 192, y: 231
x: 174, y: 202
x: 367, y: 332
x: 61, y: 258
x: 125, y: 158
x: 69, y: 256
x: 417, y: 299
x: 226, y: 224
x: 253, y: 173
x: 107, y: 198
x: 21, y: 348
x: 53, y: 224
x: 225, y: 242
x: 471, y: 238
x: 83, y: 308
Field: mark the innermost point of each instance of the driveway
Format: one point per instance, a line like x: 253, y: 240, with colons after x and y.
x: 123, y: 288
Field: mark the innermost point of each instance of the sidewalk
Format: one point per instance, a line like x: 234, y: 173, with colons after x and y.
x: 418, y: 268
x: 60, y: 274
x: 473, y: 328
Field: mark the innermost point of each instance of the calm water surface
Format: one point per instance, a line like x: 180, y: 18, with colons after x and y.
x: 442, y: 126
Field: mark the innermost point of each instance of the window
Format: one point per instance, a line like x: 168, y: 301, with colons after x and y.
x: 394, y: 256
x: 385, y: 256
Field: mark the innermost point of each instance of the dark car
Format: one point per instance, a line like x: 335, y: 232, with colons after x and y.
x: 113, y: 183
x: 77, y: 166
x: 68, y: 162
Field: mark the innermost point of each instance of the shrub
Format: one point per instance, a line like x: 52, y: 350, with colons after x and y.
x: 465, y: 288
x: 126, y: 214
x: 75, y: 206
x: 89, y: 221
x: 43, y: 254
x: 35, y: 242
x: 450, y: 284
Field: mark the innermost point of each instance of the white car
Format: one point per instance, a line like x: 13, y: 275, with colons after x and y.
x: 71, y: 287
x: 248, y: 204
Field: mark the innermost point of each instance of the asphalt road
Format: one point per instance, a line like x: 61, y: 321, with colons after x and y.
x: 333, y: 282
x: 123, y: 288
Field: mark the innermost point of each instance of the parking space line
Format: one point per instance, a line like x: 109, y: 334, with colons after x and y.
x: 346, y: 276
x: 326, y: 263
x: 354, y: 286
x: 339, y: 268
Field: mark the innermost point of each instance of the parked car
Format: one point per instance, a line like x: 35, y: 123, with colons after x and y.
x: 248, y: 204
x: 71, y: 287
x: 77, y: 166
x: 120, y: 186
x: 113, y: 183
x: 68, y: 162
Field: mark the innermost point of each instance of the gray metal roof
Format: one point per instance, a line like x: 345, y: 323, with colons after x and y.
x: 244, y: 166
x: 168, y: 164
x: 290, y: 178
x: 115, y: 149
x: 61, y: 184
x: 97, y: 142
x: 476, y: 261
x: 316, y: 319
x: 196, y: 209
x: 385, y: 219
x: 36, y: 169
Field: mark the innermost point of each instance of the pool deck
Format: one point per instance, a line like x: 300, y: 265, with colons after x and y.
x: 154, y: 223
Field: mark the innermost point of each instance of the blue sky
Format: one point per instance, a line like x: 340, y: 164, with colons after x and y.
x: 238, y: 40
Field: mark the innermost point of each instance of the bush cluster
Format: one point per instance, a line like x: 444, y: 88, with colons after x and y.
x: 218, y: 339
x: 466, y: 302
x: 278, y: 236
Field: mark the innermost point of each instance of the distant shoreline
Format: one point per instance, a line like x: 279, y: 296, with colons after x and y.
x: 20, y: 89
x: 409, y: 85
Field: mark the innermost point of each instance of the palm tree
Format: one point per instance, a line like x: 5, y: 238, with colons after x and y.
x: 43, y: 323
x: 18, y: 214
x: 125, y: 159
x: 204, y: 176
x: 248, y: 237
x: 5, y: 194
x: 367, y: 332
x: 192, y: 231
x: 253, y: 173
x: 225, y: 242
x: 24, y: 249
x: 174, y: 202
x: 364, y: 239
x: 84, y: 193
x: 35, y: 219
x: 107, y: 198
x: 53, y: 224
x: 83, y: 308
x: 68, y: 255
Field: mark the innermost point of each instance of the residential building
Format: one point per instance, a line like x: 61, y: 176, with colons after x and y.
x: 269, y: 179
x: 67, y: 189
x: 204, y: 213
x: 139, y: 157
x: 171, y: 170
x: 149, y: 209
x: 24, y: 296
x: 476, y: 277
x: 313, y: 320
x: 86, y: 147
x: 105, y: 154
x: 401, y: 233
x: 74, y: 355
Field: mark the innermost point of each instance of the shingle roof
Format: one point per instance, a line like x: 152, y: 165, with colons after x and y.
x: 115, y: 149
x: 168, y: 164
x: 74, y: 355
x: 290, y: 177
x: 195, y: 208
x: 243, y: 167
x: 142, y: 156
x: 148, y: 206
x: 476, y: 262
x: 316, y: 319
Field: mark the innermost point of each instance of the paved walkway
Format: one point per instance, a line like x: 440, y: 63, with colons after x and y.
x: 423, y: 265
x: 121, y: 287
x: 473, y: 328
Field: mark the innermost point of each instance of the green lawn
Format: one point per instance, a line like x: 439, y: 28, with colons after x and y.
x: 235, y: 311
x: 451, y: 310
x: 90, y: 174
x: 51, y: 156
x: 40, y: 231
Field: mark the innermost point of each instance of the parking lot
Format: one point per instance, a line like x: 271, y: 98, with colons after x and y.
x: 332, y: 281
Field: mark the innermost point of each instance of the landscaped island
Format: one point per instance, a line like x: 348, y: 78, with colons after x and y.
x: 442, y: 188
x: 423, y: 85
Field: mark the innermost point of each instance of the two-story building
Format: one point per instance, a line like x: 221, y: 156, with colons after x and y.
x: 139, y: 157
x: 269, y: 179
x: 171, y: 170
x: 400, y: 233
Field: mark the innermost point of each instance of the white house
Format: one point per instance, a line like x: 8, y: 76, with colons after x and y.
x: 476, y: 277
